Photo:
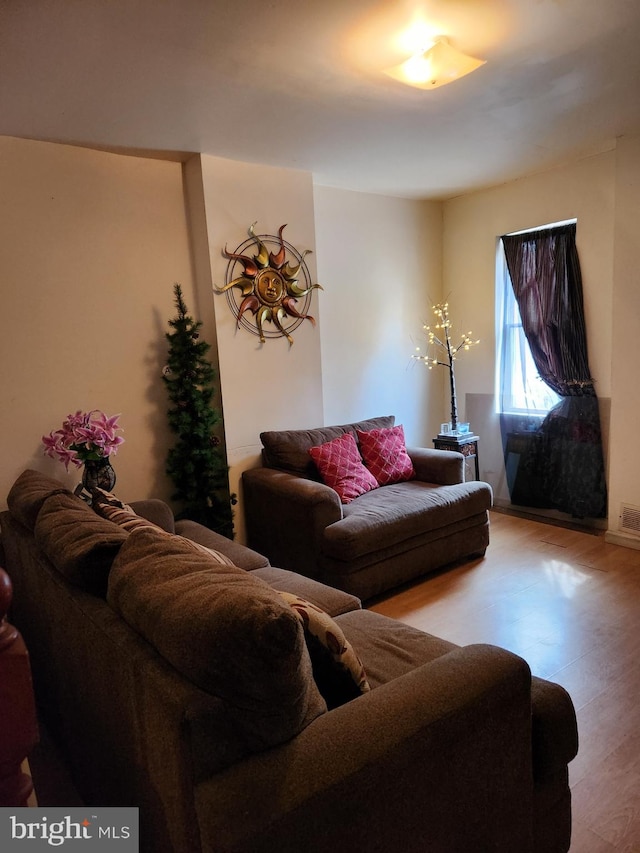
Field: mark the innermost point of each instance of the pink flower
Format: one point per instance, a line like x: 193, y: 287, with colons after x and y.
x: 84, y: 436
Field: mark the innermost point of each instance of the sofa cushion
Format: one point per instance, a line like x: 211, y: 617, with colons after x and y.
x: 289, y: 449
x: 80, y: 544
x: 337, y: 669
x: 385, y: 454
x: 341, y: 468
x: 225, y: 630
x: 108, y: 506
x: 239, y: 555
x: 29, y: 492
x: 333, y: 601
x: 389, y: 648
x: 393, y: 514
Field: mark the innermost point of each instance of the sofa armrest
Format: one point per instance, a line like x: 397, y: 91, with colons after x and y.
x: 240, y: 555
x: 442, y: 467
x: 554, y: 728
x: 285, y: 516
x: 438, y: 759
x: 156, y: 511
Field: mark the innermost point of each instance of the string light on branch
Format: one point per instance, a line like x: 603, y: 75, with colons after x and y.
x: 442, y: 351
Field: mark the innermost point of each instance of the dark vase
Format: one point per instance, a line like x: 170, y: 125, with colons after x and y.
x: 98, y: 474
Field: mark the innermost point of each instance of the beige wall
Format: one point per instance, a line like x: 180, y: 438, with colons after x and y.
x: 355, y: 362
x: 472, y: 225
x: 379, y: 260
x: 272, y: 385
x: 624, y: 482
x: 90, y: 245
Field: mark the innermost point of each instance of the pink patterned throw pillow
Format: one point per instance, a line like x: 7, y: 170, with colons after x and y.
x: 341, y: 467
x: 385, y: 455
x: 337, y: 668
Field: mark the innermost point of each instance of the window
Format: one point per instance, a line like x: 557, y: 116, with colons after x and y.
x: 519, y: 388
x: 553, y: 456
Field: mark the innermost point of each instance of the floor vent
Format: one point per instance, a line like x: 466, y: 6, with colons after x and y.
x: 630, y: 519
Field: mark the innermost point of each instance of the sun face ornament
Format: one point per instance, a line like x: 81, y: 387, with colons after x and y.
x: 274, y: 280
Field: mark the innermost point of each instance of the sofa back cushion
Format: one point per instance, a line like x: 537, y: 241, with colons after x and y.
x: 29, y: 492
x: 228, y: 632
x: 289, y: 449
x: 79, y: 543
x: 107, y: 505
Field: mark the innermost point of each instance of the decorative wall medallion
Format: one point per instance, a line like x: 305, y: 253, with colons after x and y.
x: 274, y: 279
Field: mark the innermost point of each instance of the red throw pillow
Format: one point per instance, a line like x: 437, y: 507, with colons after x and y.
x: 385, y: 455
x: 340, y: 466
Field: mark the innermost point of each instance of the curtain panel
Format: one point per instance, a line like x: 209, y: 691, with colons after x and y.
x: 561, y: 465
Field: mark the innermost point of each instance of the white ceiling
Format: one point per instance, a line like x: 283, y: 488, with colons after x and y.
x: 299, y: 84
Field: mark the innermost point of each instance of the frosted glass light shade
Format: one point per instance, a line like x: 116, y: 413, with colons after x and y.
x: 438, y: 65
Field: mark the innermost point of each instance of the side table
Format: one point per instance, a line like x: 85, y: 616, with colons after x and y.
x: 465, y: 444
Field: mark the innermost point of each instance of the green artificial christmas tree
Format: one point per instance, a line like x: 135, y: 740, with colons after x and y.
x: 196, y: 463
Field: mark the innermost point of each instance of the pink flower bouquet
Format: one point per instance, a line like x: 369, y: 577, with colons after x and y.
x: 84, y: 436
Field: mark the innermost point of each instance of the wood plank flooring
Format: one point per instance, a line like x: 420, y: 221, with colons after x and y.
x: 569, y: 603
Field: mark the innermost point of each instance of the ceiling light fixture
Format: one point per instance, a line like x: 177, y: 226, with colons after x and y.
x: 435, y: 65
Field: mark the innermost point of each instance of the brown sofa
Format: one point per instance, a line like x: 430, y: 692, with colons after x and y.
x: 186, y: 686
x: 383, y: 538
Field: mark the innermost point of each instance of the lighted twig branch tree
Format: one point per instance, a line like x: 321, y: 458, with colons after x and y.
x: 442, y: 351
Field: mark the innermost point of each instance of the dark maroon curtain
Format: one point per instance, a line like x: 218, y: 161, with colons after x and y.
x: 562, y: 466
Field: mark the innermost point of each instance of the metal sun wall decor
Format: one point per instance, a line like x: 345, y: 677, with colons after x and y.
x: 274, y: 278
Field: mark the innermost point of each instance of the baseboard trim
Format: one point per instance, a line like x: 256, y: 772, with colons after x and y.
x: 614, y: 537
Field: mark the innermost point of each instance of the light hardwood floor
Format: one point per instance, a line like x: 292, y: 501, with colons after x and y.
x: 569, y: 603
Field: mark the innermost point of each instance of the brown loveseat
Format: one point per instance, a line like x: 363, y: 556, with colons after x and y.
x: 183, y: 685
x: 381, y: 539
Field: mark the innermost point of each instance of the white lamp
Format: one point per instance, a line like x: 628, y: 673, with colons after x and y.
x: 434, y: 66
